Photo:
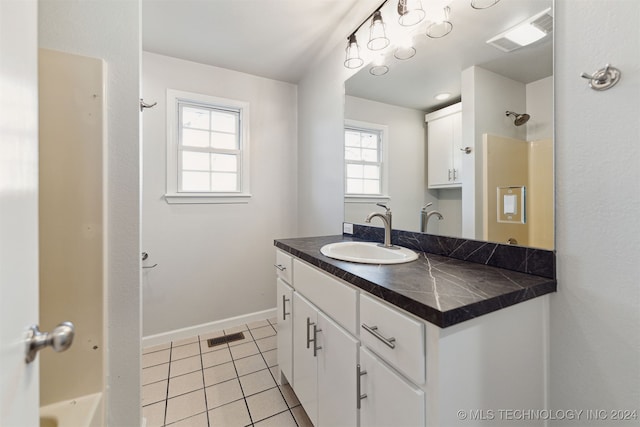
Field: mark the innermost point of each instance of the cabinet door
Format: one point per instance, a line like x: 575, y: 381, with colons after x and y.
x: 285, y: 329
x: 337, y: 361
x: 390, y: 400
x: 305, y: 380
x: 439, y: 164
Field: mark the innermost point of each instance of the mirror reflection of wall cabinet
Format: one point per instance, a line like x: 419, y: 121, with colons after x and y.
x: 444, y: 140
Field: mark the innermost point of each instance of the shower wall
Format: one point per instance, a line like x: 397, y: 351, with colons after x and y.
x: 71, y: 102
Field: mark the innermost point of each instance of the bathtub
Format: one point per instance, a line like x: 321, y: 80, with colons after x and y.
x: 84, y: 411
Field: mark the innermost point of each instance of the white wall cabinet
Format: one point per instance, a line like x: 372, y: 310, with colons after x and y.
x: 444, y: 144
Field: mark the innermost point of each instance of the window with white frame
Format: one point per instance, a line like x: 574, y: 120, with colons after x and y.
x: 207, y: 149
x: 365, y: 162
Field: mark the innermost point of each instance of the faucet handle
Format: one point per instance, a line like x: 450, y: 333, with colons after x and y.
x: 427, y: 205
x: 383, y: 205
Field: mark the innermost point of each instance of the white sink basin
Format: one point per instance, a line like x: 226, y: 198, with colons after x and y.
x: 368, y: 253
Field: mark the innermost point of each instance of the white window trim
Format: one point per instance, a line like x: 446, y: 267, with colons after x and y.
x: 172, y: 195
x: 384, y: 140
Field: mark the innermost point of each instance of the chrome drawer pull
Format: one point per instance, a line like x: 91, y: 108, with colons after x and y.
x: 284, y: 309
x: 280, y: 267
x: 373, y: 330
x: 359, y: 395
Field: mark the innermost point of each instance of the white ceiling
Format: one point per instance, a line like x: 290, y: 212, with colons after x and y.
x: 281, y: 39
x: 277, y: 39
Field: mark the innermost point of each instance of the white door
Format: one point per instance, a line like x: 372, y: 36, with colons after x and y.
x: 305, y: 365
x: 285, y: 329
x: 19, y: 382
x: 337, y: 361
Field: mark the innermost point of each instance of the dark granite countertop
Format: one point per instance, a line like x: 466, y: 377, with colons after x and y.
x: 441, y: 290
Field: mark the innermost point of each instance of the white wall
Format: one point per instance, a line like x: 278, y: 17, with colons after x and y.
x: 595, y: 316
x: 111, y: 31
x: 406, y: 157
x: 215, y: 261
x: 320, y: 147
x: 486, y: 97
x: 540, y: 108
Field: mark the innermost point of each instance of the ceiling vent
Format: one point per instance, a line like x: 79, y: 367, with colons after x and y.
x: 528, y: 31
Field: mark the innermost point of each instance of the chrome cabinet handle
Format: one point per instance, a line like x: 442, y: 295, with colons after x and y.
x: 315, y: 340
x: 455, y: 174
x: 59, y: 339
x: 373, y: 330
x: 309, y: 340
x: 280, y: 267
x: 284, y: 309
x: 449, y: 175
x: 359, y: 395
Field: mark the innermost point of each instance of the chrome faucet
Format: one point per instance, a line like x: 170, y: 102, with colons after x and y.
x: 424, y: 217
x: 386, y: 219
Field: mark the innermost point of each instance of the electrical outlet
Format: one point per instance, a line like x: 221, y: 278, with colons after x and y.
x: 347, y: 228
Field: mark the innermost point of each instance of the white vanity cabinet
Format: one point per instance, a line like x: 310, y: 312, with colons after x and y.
x: 358, y: 360
x: 387, y: 399
x: 444, y: 144
x: 285, y: 328
x: 325, y: 358
x: 284, y: 269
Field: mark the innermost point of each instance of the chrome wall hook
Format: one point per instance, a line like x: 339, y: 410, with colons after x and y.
x: 144, y: 105
x: 603, y: 79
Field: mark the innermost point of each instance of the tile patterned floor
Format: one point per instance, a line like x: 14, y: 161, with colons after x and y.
x: 186, y: 383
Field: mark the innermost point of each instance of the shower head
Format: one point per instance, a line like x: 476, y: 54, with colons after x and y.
x: 520, y: 118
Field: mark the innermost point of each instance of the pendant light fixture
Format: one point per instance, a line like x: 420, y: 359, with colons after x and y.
x: 411, y: 12
x: 377, y: 36
x: 379, y: 68
x: 441, y: 25
x: 353, y: 59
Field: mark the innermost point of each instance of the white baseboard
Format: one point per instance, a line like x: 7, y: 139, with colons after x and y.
x: 191, y: 331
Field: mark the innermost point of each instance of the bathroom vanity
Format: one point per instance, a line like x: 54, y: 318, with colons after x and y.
x: 433, y: 342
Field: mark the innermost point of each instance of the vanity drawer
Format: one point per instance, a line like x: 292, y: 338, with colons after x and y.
x: 335, y: 298
x: 284, y: 263
x: 394, y: 336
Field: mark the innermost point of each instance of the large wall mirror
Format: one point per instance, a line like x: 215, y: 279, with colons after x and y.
x: 476, y: 165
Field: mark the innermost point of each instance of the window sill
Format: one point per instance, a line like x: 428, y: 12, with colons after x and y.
x: 206, y: 198
x: 366, y: 199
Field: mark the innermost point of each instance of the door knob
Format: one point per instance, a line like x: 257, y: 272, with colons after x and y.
x: 59, y: 339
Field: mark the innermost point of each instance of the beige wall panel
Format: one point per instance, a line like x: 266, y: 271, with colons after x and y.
x: 540, y: 210
x: 505, y: 164
x: 71, y: 220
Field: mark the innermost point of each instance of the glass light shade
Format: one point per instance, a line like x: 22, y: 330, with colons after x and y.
x: 377, y: 36
x: 404, y: 52
x: 379, y: 70
x: 353, y: 59
x: 411, y: 12
x: 483, y: 4
x: 441, y: 26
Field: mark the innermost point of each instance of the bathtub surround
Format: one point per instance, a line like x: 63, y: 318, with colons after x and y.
x: 441, y: 290
x: 202, y: 250
x: 71, y: 221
